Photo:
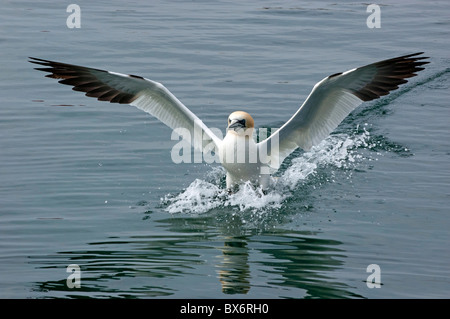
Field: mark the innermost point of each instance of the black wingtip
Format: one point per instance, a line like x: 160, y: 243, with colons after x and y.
x: 86, y: 80
x: 390, y: 74
x: 36, y: 60
x: 39, y: 62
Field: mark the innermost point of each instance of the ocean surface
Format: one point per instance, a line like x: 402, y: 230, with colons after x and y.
x: 365, y: 214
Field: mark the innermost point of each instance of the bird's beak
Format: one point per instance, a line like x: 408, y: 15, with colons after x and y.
x: 237, y: 124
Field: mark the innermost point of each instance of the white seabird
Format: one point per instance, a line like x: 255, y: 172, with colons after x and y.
x: 329, y: 102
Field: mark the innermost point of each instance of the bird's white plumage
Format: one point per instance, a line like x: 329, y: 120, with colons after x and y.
x: 324, y: 109
x: 163, y: 105
x: 329, y: 102
x: 154, y: 98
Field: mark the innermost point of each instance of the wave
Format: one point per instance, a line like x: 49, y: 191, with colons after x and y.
x: 338, y: 151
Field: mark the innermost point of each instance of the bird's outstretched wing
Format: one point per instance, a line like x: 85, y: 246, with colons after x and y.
x: 333, y: 98
x: 147, y: 95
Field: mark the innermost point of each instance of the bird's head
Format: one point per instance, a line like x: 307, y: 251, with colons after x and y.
x: 240, y: 123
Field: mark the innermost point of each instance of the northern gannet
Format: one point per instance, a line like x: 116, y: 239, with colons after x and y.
x: 329, y: 102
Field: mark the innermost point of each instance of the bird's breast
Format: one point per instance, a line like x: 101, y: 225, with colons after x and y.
x: 237, y: 149
x: 239, y: 155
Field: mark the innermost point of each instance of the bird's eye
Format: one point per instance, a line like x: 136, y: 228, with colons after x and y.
x: 242, y: 122
x: 229, y: 121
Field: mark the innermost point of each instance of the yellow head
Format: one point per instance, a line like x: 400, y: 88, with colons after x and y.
x: 240, y: 123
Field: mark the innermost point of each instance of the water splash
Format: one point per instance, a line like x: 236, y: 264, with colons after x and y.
x: 339, y: 151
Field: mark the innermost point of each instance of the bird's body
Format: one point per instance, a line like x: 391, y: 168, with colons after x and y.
x: 239, y: 155
x: 330, y: 101
x: 240, y: 171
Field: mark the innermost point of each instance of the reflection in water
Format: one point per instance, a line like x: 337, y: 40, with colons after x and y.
x: 300, y: 260
x: 307, y: 262
x: 170, y: 263
x: 132, y: 267
x: 234, y: 270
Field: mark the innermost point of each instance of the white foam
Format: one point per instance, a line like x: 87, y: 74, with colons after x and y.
x: 338, y: 151
x: 199, y: 197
